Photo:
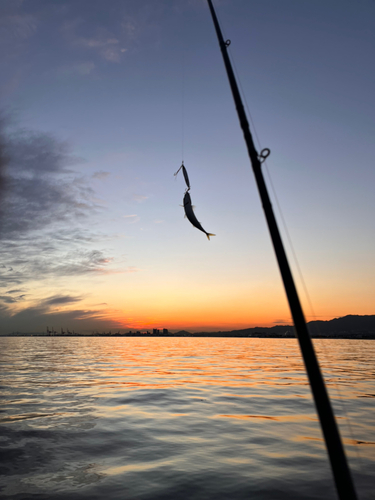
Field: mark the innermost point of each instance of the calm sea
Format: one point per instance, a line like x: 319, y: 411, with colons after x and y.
x: 179, y: 418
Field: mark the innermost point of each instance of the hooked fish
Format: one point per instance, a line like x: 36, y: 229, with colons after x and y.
x: 191, y: 216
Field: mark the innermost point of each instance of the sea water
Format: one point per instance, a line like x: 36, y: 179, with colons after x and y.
x: 179, y: 418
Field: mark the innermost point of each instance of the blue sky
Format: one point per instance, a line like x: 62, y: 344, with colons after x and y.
x: 98, y: 99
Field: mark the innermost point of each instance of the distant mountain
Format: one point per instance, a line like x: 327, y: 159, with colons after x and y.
x: 351, y: 325
x: 182, y: 333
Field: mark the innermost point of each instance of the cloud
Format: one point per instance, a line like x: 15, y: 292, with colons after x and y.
x: 111, y: 54
x: 100, y: 175
x: 75, y: 319
x: 132, y: 219
x: 139, y: 197
x: 81, y: 69
x: 40, y: 187
x: 126, y: 26
x: 61, y: 299
x: 132, y: 269
x: 101, y: 40
x: 16, y: 27
x: 56, y: 310
x: 45, y: 206
x: 81, y: 38
x: 48, y: 312
x: 32, y: 263
x: 283, y: 322
x: 48, y: 212
x: 7, y: 299
x: 3, y: 157
x: 82, y: 262
x: 129, y: 27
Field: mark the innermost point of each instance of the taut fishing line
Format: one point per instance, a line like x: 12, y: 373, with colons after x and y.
x: 289, y: 239
x: 187, y: 204
x: 183, y: 115
x: 183, y: 100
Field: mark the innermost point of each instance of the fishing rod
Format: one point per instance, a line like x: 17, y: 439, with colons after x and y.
x: 339, y: 465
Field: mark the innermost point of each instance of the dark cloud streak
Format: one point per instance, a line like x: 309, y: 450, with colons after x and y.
x: 61, y: 299
x: 39, y: 187
x: 46, y: 208
x: 42, y: 315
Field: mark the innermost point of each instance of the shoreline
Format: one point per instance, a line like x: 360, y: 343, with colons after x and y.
x: 353, y: 336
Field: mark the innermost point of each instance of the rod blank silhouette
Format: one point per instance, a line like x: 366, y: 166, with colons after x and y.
x: 340, y: 469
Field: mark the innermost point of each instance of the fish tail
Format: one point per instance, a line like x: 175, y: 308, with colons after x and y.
x: 210, y: 234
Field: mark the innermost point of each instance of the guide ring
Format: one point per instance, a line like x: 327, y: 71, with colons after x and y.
x: 264, y: 154
x: 227, y: 43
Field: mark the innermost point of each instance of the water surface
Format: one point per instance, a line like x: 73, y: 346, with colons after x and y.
x: 163, y: 418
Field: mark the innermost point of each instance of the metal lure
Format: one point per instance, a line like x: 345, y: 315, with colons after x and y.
x: 184, y: 171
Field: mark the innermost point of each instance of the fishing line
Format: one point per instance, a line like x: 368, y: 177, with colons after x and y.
x: 347, y: 419
x: 183, y: 100
x: 326, y: 351
x: 243, y: 95
x: 299, y: 272
x: 239, y: 81
x: 294, y: 255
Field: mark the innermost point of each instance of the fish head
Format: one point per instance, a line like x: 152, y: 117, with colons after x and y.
x: 187, y: 199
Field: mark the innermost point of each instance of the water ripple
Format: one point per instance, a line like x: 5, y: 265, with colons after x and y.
x: 163, y: 418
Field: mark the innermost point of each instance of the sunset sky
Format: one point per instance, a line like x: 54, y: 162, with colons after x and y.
x: 101, y: 101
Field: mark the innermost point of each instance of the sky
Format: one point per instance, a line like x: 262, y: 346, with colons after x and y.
x: 101, y: 102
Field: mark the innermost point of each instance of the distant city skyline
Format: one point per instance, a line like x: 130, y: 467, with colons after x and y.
x: 100, y: 105
x: 348, y: 327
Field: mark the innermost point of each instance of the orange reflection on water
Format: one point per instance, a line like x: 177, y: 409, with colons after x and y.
x: 230, y: 401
